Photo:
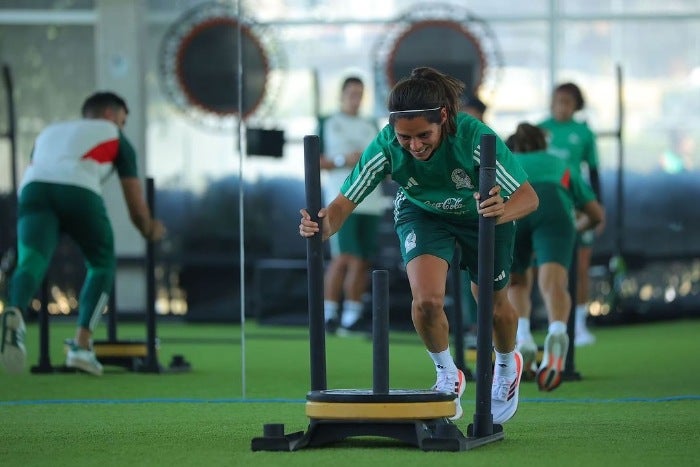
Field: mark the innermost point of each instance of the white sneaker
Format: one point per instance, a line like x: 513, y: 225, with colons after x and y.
x: 453, y: 383
x: 556, y: 346
x: 13, y: 354
x: 84, y: 360
x: 349, y: 318
x: 583, y: 337
x: 505, y: 392
x: 528, y: 350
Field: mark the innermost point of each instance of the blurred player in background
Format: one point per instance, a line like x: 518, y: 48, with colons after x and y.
x: 574, y: 142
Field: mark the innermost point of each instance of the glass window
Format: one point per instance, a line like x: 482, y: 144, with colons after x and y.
x: 573, y: 7
x: 53, y: 68
x: 661, y: 86
x: 521, y: 80
x: 48, y: 4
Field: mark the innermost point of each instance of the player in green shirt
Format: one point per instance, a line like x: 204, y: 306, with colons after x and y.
x: 550, y: 234
x: 432, y: 152
x: 575, y: 143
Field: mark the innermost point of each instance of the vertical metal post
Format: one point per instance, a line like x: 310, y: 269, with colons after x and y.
x: 620, y: 208
x: 11, y: 127
x: 380, y: 332
x: 112, y: 315
x: 151, y: 364
x: 457, y: 324
x: 44, y: 363
x: 314, y: 263
x: 483, y: 419
x: 570, y: 373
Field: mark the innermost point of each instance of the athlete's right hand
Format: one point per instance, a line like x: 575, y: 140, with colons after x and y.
x: 307, y: 227
x: 156, y: 231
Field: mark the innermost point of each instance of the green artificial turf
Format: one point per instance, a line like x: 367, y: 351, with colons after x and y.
x: 638, y: 403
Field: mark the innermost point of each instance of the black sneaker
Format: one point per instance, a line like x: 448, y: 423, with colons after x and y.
x: 331, y: 326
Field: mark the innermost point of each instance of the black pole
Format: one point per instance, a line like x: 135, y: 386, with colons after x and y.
x: 11, y: 124
x: 112, y: 314
x: 380, y: 331
x: 151, y: 364
x: 314, y: 263
x: 570, y: 373
x: 616, y: 266
x: 10, y: 256
x: 44, y: 363
x: 457, y: 324
x: 483, y: 419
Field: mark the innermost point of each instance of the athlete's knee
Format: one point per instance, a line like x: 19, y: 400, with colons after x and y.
x: 518, y: 279
x: 102, y: 275
x: 428, y: 304
x: 503, y: 310
x: 32, y: 262
x: 102, y: 263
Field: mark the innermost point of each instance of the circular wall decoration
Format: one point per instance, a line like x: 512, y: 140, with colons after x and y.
x: 460, y: 52
x: 199, y: 65
x: 446, y: 37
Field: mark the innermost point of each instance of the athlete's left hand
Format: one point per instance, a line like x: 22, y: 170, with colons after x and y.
x: 493, y: 206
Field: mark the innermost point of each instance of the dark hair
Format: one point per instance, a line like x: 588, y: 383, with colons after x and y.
x: 97, y: 103
x: 574, y: 91
x: 426, y: 88
x: 475, y: 103
x: 527, y: 138
x: 351, y: 80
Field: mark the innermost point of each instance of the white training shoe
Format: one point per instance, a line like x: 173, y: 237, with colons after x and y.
x: 528, y: 350
x: 349, y: 318
x: 453, y: 383
x: 13, y: 354
x: 85, y: 360
x: 583, y: 337
x: 549, y: 374
x: 505, y: 392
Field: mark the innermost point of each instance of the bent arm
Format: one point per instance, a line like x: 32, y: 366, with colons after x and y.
x: 139, y: 213
x: 522, y: 202
x: 593, y: 216
x: 337, y: 213
x: 331, y: 218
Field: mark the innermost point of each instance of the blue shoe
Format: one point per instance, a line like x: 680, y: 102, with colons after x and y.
x: 13, y: 354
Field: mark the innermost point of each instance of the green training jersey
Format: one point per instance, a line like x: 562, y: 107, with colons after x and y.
x: 571, y: 141
x: 546, y: 170
x: 445, y: 183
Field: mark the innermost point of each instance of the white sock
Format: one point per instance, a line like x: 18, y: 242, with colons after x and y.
x: 330, y: 310
x: 581, y: 315
x: 557, y: 327
x: 352, y: 311
x: 505, y: 363
x: 443, y: 361
x: 524, y: 329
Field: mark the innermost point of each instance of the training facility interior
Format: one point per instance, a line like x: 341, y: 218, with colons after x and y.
x: 222, y: 93
x: 636, y: 65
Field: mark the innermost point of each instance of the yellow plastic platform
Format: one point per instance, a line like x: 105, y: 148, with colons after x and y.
x: 364, y: 404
